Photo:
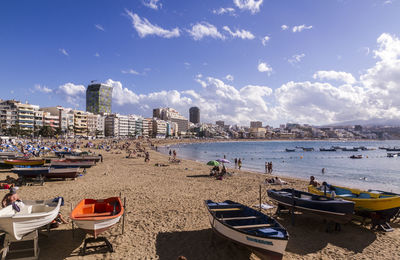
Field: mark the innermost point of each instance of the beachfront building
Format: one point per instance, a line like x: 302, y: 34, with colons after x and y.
x: 220, y: 123
x: 91, y: 124
x: 170, y: 114
x: 80, y: 123
x: 255, y: 124
x: 26, y: 116
x: 111, y: 125
x: 38, y: 121
x: 147, y: 127
x: 159, y: 128
x: 51, y: 120
x: 100, y: 125
x: 123, y: 125
x: 98, y: 98
x: 139, y: 127
x: 194, y: 115
x: 8, y: 114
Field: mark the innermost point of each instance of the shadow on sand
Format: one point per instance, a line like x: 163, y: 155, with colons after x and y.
x: 49, y: 244
x: 199, y: 176
x: 309, y: 235
x: 199, y: 244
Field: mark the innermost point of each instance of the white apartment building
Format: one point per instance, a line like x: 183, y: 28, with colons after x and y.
x: 123, y: 125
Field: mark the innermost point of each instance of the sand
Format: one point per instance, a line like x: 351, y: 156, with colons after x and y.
x: 166, y: 216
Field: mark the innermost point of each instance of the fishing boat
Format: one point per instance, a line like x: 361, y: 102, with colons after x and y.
x: 354, y: 149
x: 394, y: 149
x: 339, y: 211
x: 384, y: 205
x: 308, y: 149
x: 96, y: 216
x: 359, y: 156
x: 67, y: 164
x: 25, y: 162
x: 33, y: 214
x: 73, y: 158
x: 327, y: 149
x: 290, y: 150
x: 248, y: 227
x: 32, y: 172
x: 392, y: 154
x: 62, y: 173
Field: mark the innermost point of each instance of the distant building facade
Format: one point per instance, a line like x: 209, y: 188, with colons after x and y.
x: 255, y: 124
x: 98, y: 98
x: 220, y: 123
x: 194, y: 115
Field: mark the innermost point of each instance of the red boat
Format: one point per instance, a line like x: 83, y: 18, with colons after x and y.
x: 25, y: 162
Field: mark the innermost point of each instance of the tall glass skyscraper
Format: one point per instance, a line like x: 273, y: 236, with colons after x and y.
x: 194, y: 115
x: 99, y: 98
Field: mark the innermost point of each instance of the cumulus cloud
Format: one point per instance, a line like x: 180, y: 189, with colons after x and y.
x: 72, y: 93
x: 264, y: 40
x: 42, y: 89
x: 242, y: 34
x: 284, y: 27
x: 63, y: 51
x: 99, y: 27
x: 204, y: 29
x: 296, y: 58
x: 334, y: 75
x: 145, y: 28
x: 249, y: 5
x: 264, y: 67
x: 153, y: 4
x: 97, y: 54
x: 299, y: 28
x: 222, y: 10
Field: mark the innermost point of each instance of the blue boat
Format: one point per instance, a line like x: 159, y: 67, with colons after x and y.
x: 248, y: 227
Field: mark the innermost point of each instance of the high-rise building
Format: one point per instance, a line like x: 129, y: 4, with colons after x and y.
x: 194, y: 115
x: 255, y: 124
x: 220, y: 123
x: 170, y: 114
x: 98, y: 98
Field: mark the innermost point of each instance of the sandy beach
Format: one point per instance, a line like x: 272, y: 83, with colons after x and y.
x: 166, y: 216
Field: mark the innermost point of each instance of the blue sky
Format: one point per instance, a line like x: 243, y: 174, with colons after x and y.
x: 306, y: 61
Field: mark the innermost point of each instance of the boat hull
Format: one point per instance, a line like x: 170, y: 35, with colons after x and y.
x: 62, y: 173
x: 365, y: 201
x: 327, y: 208
x: 274, y: 248
x: 66, y: 164
x: 25, y: 162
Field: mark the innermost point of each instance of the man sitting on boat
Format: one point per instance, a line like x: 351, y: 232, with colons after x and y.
x: 10, y: 197
x: 313, y: 182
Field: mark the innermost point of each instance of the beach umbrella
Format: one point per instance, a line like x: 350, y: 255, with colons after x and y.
x: 223, y: 160
x: 213, y: 163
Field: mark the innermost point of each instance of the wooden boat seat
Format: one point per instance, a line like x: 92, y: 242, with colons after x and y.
x: 104, y: 214
x: 237, y: 218
x: 253, y: 226
x: 226, y: 209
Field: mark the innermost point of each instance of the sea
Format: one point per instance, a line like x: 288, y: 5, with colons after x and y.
x: 375, y: 170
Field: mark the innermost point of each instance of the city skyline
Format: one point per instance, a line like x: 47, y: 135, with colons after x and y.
x: 238, y: 61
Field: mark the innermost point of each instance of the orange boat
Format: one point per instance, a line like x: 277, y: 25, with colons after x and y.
x: 25, y: 162
x: 96, y: 216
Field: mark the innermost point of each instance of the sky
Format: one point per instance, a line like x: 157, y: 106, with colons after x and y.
x: 300, y: 61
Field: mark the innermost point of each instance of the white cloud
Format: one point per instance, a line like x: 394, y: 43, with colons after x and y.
x: 99, y: 27
x: 187, y: 65
x: 229, y: 77
x: 284, y: 27
x: 145, y: 28
x: 63, y: 51
x: 243, y: 34
x: 43, y: 89
x: 296, y: 58
x: 227, y: 10
x: 204, y: 29
x: 334, y: 75
x: 97, y: 54
x: 264, y: 67
x: 265, y: 39
x: 130, y: 71
x: 153, y: 4
x: 299, y: 28
x: 249, y: 5
x: 72, y: 93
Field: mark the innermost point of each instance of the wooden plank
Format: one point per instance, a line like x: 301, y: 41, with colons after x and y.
x: 226, y: 209
x: 253, y: 226
x: 249, y: 217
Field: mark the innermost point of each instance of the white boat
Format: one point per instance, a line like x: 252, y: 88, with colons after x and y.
x: 33, y: 214
x: 96, y: 216
x: 243, y: 225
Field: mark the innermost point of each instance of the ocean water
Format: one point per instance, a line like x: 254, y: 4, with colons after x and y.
x: 374, y: 171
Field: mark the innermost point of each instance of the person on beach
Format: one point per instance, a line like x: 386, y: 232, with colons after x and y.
x: 236, y: 163
x: 313, y: 182
x: 270, y: 168
x: 239, y: 163
x: 10, y: 197
x: 174, y: 153
x: 147, y: 157
x: 266, y: 167
x: 170, y: 152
